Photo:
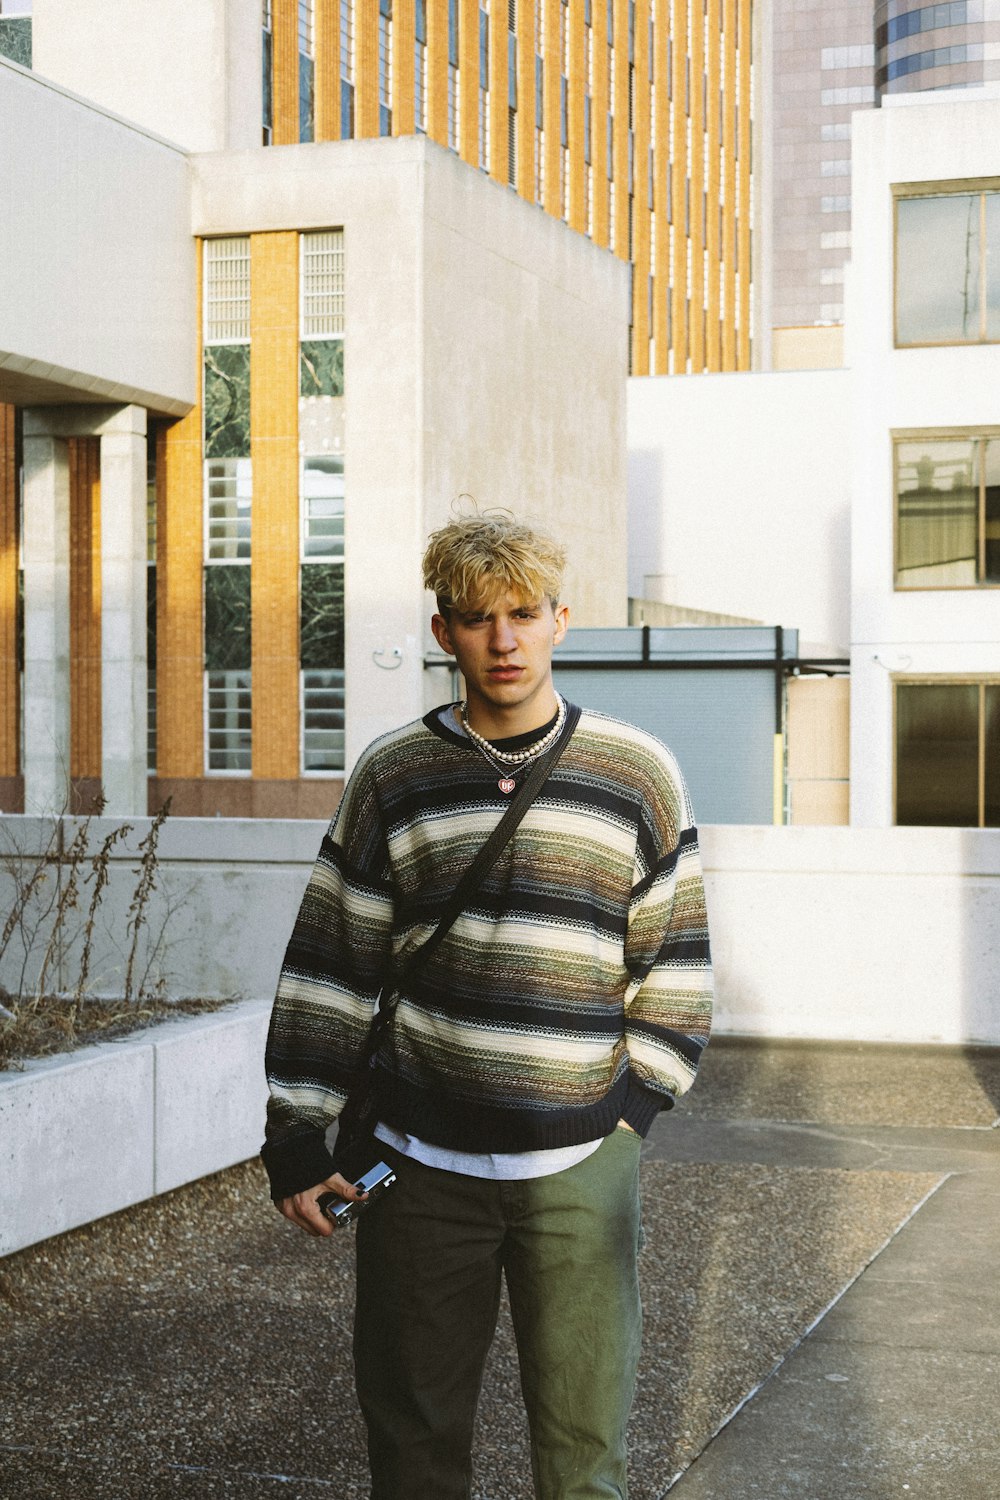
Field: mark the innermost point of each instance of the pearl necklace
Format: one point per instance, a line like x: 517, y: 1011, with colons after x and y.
x: 514, y: 759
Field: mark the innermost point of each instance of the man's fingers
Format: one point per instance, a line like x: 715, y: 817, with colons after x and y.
x: 302, y: 1208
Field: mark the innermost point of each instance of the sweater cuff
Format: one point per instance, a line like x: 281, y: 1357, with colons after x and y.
x: 642, y: 1105
x: 295, y: 1163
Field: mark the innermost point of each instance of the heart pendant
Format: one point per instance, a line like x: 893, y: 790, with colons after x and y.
x: 506, y: 785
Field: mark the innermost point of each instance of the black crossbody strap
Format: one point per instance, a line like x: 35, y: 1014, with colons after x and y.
x: 478, y: 869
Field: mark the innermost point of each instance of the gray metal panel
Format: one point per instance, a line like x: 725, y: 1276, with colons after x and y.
x: 719, y: 724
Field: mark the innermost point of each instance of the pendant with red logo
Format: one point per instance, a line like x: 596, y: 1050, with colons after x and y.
x: 506, y: 785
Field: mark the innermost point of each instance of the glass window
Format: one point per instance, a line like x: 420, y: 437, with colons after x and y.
x: 229, y: 493
x: 323, y: 507
x: 323, y: 721
x: 937, y: 514
x: 948, y: 512
x: 229, y: 721
x: 947, y: 276
x: 991, y: 755
x: 937, y: 754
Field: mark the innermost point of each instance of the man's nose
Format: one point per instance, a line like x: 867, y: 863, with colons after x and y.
x: 503, y: 638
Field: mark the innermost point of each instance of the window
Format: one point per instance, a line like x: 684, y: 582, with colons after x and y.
x: 267, y: 74
x: 229, y: 486
x: 385, y: 67
x: 227, y: 290
x: 948, y: 269
x: 323, y: 284
x: 228, y: 718
x: 346, y: 69
x: 323, y: 721
x: 323, y: 507
x: 420, y: 66
x: 948, y: 753
x: 947, y: 511
x: 307, y: 71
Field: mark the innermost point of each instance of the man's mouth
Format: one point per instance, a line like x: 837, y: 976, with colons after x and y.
x: 505, y: 674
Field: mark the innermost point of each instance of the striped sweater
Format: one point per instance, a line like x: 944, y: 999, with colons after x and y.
x: 574, y: 991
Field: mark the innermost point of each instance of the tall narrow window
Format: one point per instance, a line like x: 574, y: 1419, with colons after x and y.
x: 454, y: 122
x: 267, y: 74
x: 322, y: 499
x: 420, y: 66
x: 385, y: 67
x: 228, y: 490
x: 484, y: 84
x: 346, y: 69
x: 307, y: 72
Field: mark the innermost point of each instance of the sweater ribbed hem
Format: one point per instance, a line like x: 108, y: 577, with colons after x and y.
x: 642, y: 1105
x: 461, y: 1125
x: 296, y: 1163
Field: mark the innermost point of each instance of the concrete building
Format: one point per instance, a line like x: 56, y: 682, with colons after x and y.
x: 244, y: 385
x: 630, y: 120
x: 906, y: 442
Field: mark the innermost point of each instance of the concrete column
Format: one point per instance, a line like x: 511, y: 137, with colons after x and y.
x: 46, y: 616
x: 123, y: 611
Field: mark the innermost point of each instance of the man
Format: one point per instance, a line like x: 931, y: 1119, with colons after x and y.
x: 568, y: 1004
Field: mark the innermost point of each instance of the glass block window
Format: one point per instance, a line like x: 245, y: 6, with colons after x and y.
x: 228, y: 717
x: 227, y: 290
x: 322, y: 699
x: 229, y: 492
x: 323, y: 507
x: 322, y: 284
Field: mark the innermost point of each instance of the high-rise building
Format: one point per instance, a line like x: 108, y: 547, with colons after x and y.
x: 827, y: 62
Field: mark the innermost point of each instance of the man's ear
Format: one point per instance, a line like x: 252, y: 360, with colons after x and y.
x: 561, y: 613
x: 439, y: 625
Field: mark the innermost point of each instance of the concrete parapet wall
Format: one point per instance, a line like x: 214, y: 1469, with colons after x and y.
x: 88, y: 1133
x: 860, y: 934
x: 866, y: 934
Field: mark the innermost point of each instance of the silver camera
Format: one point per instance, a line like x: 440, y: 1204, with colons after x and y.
x: 343, y: 1211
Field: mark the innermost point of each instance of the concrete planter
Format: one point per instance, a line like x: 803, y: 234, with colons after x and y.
x: 87, y: 1133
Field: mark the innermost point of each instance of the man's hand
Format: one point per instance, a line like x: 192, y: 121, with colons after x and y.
x: 302, y: 1210
x: 624, y: 1125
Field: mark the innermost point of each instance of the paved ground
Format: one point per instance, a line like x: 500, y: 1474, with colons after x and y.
x: 822, y: 1231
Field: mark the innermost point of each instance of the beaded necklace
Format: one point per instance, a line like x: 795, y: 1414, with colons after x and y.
x: 513, y: 761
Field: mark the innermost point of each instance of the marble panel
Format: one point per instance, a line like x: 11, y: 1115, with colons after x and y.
x: 321, y: 367
x: 15, y: 39
x: 321, y: 634
x: 227, y: 401
x: 227, y: 618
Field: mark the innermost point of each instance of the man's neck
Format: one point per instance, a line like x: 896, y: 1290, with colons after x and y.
x: 498, y: 722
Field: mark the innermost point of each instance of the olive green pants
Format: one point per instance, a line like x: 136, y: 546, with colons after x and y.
x: 431, y: 1252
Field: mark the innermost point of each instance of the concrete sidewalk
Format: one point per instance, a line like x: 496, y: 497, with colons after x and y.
x: 821, y: 1242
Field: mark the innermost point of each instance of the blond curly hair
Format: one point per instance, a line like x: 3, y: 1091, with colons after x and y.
x: 474, y: 559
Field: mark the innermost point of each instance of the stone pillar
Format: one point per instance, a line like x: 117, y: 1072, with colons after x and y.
x: 46, y: 616
x: 123, y: 612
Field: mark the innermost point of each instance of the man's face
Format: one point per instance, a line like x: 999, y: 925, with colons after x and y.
x: 504, y: 651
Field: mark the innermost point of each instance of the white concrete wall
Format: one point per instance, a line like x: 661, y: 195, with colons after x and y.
x: 739, y: 497
x: 88, y: 1133
x: 189, y: 70
x: 912, y: 139
x: 467, y: 370
x: 817, y: 932
x: 95, y: 241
